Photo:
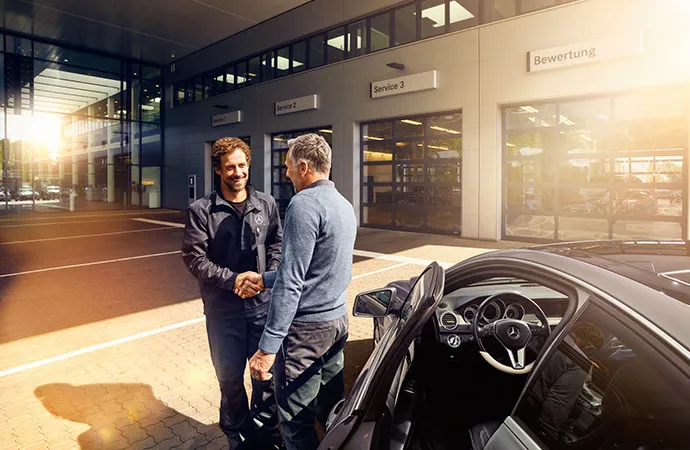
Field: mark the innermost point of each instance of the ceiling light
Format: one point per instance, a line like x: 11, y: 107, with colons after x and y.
x: 458, y: 13
x: 529, y: 109
x: 508, y: 144
x: 157, y: 99
x: 411, y: 122
x: 373, y: 138
x: 565, y: 120
x: 326, y: 131
x: 445, y: 130
x: 436, y: 14
x: 437, y: 147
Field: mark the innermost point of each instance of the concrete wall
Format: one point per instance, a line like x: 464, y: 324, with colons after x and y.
x: 479, y: 70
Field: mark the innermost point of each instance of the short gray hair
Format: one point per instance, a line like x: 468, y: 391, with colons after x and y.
x: 313, y: 149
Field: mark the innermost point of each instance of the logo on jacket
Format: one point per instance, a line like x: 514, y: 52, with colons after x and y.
x: 259, y: 219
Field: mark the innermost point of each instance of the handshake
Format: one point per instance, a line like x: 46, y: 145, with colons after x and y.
x: 248, y: 284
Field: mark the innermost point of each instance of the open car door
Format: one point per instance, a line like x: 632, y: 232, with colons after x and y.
x: 362, y: 418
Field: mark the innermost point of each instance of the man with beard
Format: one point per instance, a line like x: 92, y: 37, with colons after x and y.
x: 228, y: 232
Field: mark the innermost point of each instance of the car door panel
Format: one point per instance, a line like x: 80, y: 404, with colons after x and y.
x: 510, y: 436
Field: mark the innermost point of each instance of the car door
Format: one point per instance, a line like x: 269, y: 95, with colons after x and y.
x: 355, y: 422
x: 608, y: 384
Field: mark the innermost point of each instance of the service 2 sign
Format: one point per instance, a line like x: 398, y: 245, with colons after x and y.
x: 403, y: 85
x: 293, y: 105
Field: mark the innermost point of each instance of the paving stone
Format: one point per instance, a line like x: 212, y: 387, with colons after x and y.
x: 144, y: 444
x: 168, y: 444
x: 134, y: 433
x: 185, y: 431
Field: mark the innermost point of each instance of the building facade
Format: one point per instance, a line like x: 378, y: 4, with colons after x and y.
x: 525, y: 119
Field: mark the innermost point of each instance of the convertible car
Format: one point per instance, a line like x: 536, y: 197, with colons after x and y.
x: 566, y: 346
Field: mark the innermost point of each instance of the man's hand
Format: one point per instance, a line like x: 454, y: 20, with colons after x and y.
x: 260, y: 364
x: 248, y: 284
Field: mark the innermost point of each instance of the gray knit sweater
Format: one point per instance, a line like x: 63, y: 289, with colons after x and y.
x: 316, y: 267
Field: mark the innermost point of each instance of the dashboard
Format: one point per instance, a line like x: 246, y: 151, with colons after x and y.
x: 457, y: 311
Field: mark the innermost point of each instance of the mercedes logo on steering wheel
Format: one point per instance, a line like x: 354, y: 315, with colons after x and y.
x: 513, y: 332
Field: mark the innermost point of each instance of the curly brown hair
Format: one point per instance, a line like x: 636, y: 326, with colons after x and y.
x: 229, y: 145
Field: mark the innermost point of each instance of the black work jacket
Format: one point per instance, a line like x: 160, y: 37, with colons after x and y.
x: 219, y: 244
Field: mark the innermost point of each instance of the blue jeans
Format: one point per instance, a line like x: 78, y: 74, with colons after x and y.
x: 309, y: 379
x: 233, y: 342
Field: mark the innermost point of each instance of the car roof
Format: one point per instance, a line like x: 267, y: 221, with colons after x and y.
x: 662, y: 265
x: 623, y: 276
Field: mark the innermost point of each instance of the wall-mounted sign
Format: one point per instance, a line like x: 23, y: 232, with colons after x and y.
x: 585, y: 52
x: 296, y: 105
x: 226, y: 119
x: 403, y: 85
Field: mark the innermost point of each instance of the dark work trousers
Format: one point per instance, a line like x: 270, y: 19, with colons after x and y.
x: 309, y: 379
x: 233, y: 342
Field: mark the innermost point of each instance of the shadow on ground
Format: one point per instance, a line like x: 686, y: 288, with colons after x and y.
x: 126, y: 416
x: 388, y: 241
x: 356, y: 355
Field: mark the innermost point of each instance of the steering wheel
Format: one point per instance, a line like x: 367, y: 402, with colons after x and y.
x: 514, y: 335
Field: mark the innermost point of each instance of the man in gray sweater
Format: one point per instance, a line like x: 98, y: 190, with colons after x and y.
x: 306, y: 327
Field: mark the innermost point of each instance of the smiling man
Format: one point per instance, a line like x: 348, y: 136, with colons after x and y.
x: 233, y: 230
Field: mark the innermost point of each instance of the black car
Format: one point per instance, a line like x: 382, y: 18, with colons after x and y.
x: 567, y: 346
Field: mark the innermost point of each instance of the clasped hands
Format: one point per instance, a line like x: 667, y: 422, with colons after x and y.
x: 248, y: 284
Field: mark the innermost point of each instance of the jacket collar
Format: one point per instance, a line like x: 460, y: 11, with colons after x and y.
x: 252, y: 200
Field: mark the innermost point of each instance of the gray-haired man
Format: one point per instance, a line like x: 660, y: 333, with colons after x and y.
x: 306, y: 327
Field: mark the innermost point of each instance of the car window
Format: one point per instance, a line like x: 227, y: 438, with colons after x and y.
x: 606, y: 388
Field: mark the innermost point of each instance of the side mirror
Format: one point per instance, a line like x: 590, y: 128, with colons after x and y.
x: 374, y: 303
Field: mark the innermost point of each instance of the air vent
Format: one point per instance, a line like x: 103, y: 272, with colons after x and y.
x: 449, y: 321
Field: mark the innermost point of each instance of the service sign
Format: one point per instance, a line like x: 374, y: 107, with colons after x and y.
x: 403, y: 85
x: 226, y: 119
x: 298, y: 104
x: 585, y: 52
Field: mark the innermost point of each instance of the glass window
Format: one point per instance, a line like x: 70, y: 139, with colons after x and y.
x: 377, y: 131
x: 500, y: 9
x: 377, y: 215
x: 446, y: 124
x: 379, y: 173
x: 282, y: 62
x: 405, y: 20
x: 531, y: 116
x: 17, y: 45
x: 606, y: 386
x: 409, y: 150
x: 316, y: 51
x: 240, y: 75
x: 151, y: 101
x: 464, y: 14
x: 335, y: 50
x: 377, y: 152
x: 267, y: 66
x: 357, y: 38
x: 433, y: 17
x: 216, y: 80
x: 426, y: 192
x: 380, y: 27
x: 253, y: 70
x: 409, y: 127
x: 299, y: 56
x: 437, y: 149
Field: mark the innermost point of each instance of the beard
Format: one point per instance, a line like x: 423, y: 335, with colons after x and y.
x: 235, y: 185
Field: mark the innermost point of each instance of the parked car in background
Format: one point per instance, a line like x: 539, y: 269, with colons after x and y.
x: 568, y: 346
x: 26, y: 192
x: 52, y: 192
